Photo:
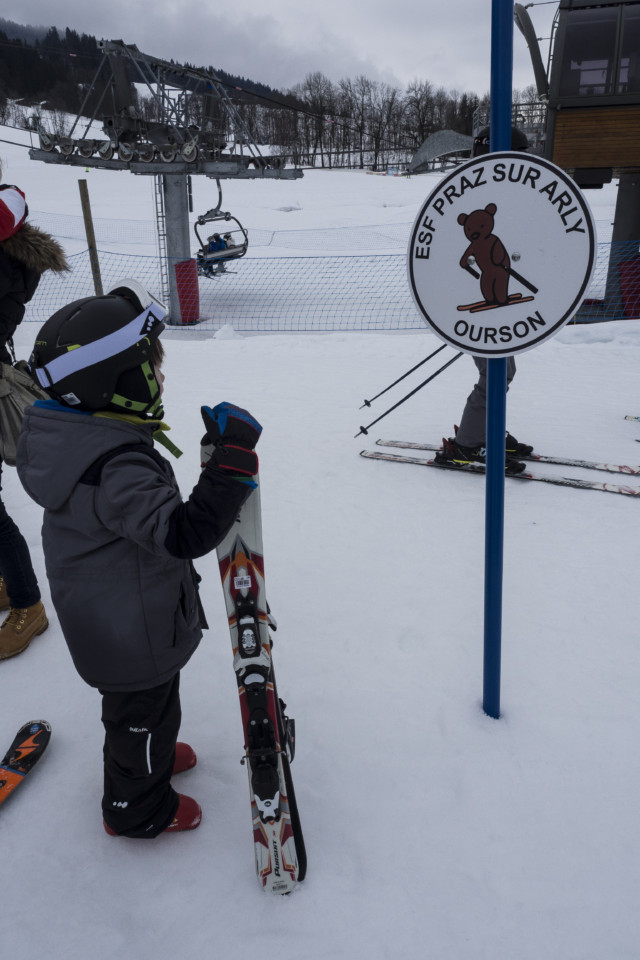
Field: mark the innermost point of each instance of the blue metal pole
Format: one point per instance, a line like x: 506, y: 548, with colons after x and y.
x: 494, y: 533
x: 501, y: 93
x: 501, y: 73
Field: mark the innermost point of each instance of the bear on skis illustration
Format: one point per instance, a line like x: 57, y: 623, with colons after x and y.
x: 489, y: 255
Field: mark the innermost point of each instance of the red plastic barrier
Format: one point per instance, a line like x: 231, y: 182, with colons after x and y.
x: 630, y: 287
x: 188, y: 292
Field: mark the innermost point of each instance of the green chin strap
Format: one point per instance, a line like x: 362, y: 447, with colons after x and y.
x: 151, y: 410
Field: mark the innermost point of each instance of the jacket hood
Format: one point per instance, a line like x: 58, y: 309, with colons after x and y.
x: 36, y: 249
x: 57, y: 446
x: 13, y: 209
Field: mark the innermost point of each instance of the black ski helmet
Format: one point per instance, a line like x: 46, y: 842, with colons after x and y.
x: 96, y: 353
x: 481, y: 141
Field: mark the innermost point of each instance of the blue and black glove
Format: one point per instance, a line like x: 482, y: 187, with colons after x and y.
x: 232, y: 434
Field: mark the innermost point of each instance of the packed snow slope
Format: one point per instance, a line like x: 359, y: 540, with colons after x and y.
x: 432, y: 831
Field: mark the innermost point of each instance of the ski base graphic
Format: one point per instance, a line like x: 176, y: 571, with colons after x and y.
x: 28, y: 745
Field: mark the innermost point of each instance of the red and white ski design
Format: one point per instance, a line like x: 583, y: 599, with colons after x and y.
x: 269, y: 735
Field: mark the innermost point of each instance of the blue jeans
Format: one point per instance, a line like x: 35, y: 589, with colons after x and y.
x: 15, y: 562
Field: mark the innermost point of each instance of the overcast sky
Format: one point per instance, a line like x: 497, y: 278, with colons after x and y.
x: 279, y: 42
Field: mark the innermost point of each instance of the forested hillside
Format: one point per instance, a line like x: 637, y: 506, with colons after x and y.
x: 355, y: 122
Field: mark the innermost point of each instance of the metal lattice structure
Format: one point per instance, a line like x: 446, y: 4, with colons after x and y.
x: 186, y: 124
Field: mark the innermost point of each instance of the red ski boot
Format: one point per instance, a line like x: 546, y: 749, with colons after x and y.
x: 185, y: 757
x: 188, y: 815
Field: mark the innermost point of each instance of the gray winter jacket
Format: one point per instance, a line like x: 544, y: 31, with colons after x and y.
x: 128, y: 607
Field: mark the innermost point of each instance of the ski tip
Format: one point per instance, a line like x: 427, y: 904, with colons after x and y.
x: 39, y: 723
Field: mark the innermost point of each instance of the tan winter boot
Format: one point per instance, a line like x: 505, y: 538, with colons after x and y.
x: 20, y: 627
x: 5, y: 603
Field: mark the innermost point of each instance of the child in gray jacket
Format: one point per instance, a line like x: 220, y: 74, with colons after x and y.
x: 119, y: 540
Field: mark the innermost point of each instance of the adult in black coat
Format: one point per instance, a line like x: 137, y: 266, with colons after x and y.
x: 25, y: 254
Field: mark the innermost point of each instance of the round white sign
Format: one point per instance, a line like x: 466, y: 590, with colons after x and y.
x: 501, y: 254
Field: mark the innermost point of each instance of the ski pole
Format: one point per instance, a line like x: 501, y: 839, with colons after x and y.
x: 521, y: 279
x: 512, y: 272
x: 366, y: 429
x: 368, y: 403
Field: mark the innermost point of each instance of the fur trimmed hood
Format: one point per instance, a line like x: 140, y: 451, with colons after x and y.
x: 36, y: 249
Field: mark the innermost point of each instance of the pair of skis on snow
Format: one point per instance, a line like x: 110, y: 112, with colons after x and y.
x: 604, y: 486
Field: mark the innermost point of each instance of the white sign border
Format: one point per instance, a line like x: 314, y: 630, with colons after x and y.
x: 588, y: 215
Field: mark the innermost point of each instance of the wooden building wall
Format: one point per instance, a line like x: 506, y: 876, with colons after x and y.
x: 597, y: 137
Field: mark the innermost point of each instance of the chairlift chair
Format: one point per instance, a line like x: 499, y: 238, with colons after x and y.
x: 229, y: 243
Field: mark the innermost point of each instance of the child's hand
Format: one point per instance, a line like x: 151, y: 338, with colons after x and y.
x: 232, y: 434
x: 226, y: 424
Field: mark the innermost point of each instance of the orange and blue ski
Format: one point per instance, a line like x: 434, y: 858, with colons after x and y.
x: 28, y: 745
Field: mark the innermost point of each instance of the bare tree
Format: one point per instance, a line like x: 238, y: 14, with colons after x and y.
x: 385, y: 110
x: 418, y: 113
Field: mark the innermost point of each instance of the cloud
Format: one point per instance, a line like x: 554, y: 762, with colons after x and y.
x: 448, y: 44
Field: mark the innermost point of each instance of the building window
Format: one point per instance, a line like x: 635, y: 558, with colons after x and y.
x: 629, y: 77
x: 589, y: 52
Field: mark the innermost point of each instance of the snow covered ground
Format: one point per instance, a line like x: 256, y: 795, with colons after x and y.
x: 432, y: 831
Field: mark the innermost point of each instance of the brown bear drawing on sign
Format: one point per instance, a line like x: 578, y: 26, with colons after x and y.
x: 491, y: 258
